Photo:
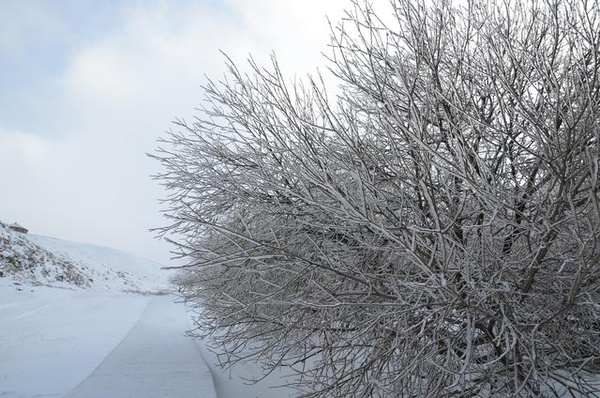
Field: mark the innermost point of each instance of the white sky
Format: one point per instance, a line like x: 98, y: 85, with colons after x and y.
x: 88, y: 86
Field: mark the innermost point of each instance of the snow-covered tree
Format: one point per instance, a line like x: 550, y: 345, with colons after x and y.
x: 432, y: 230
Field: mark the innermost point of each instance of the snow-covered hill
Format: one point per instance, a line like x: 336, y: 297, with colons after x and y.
x: 38, y: 260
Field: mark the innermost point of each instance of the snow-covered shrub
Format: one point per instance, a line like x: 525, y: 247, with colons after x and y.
x: 431, y: 231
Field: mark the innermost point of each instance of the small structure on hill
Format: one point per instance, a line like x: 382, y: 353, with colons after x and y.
x: 19, y: 228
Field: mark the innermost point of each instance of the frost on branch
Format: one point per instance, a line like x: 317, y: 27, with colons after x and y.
x: 431, y: 231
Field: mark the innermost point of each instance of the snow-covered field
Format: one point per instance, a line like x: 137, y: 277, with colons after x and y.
x: 51, y: 339
x: 74, y: 323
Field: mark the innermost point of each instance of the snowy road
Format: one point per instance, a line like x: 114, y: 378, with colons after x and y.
x: 154, y: 360
x: 96, y: 344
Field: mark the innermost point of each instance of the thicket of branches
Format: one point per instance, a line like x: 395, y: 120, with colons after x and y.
x: 431, y: 231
